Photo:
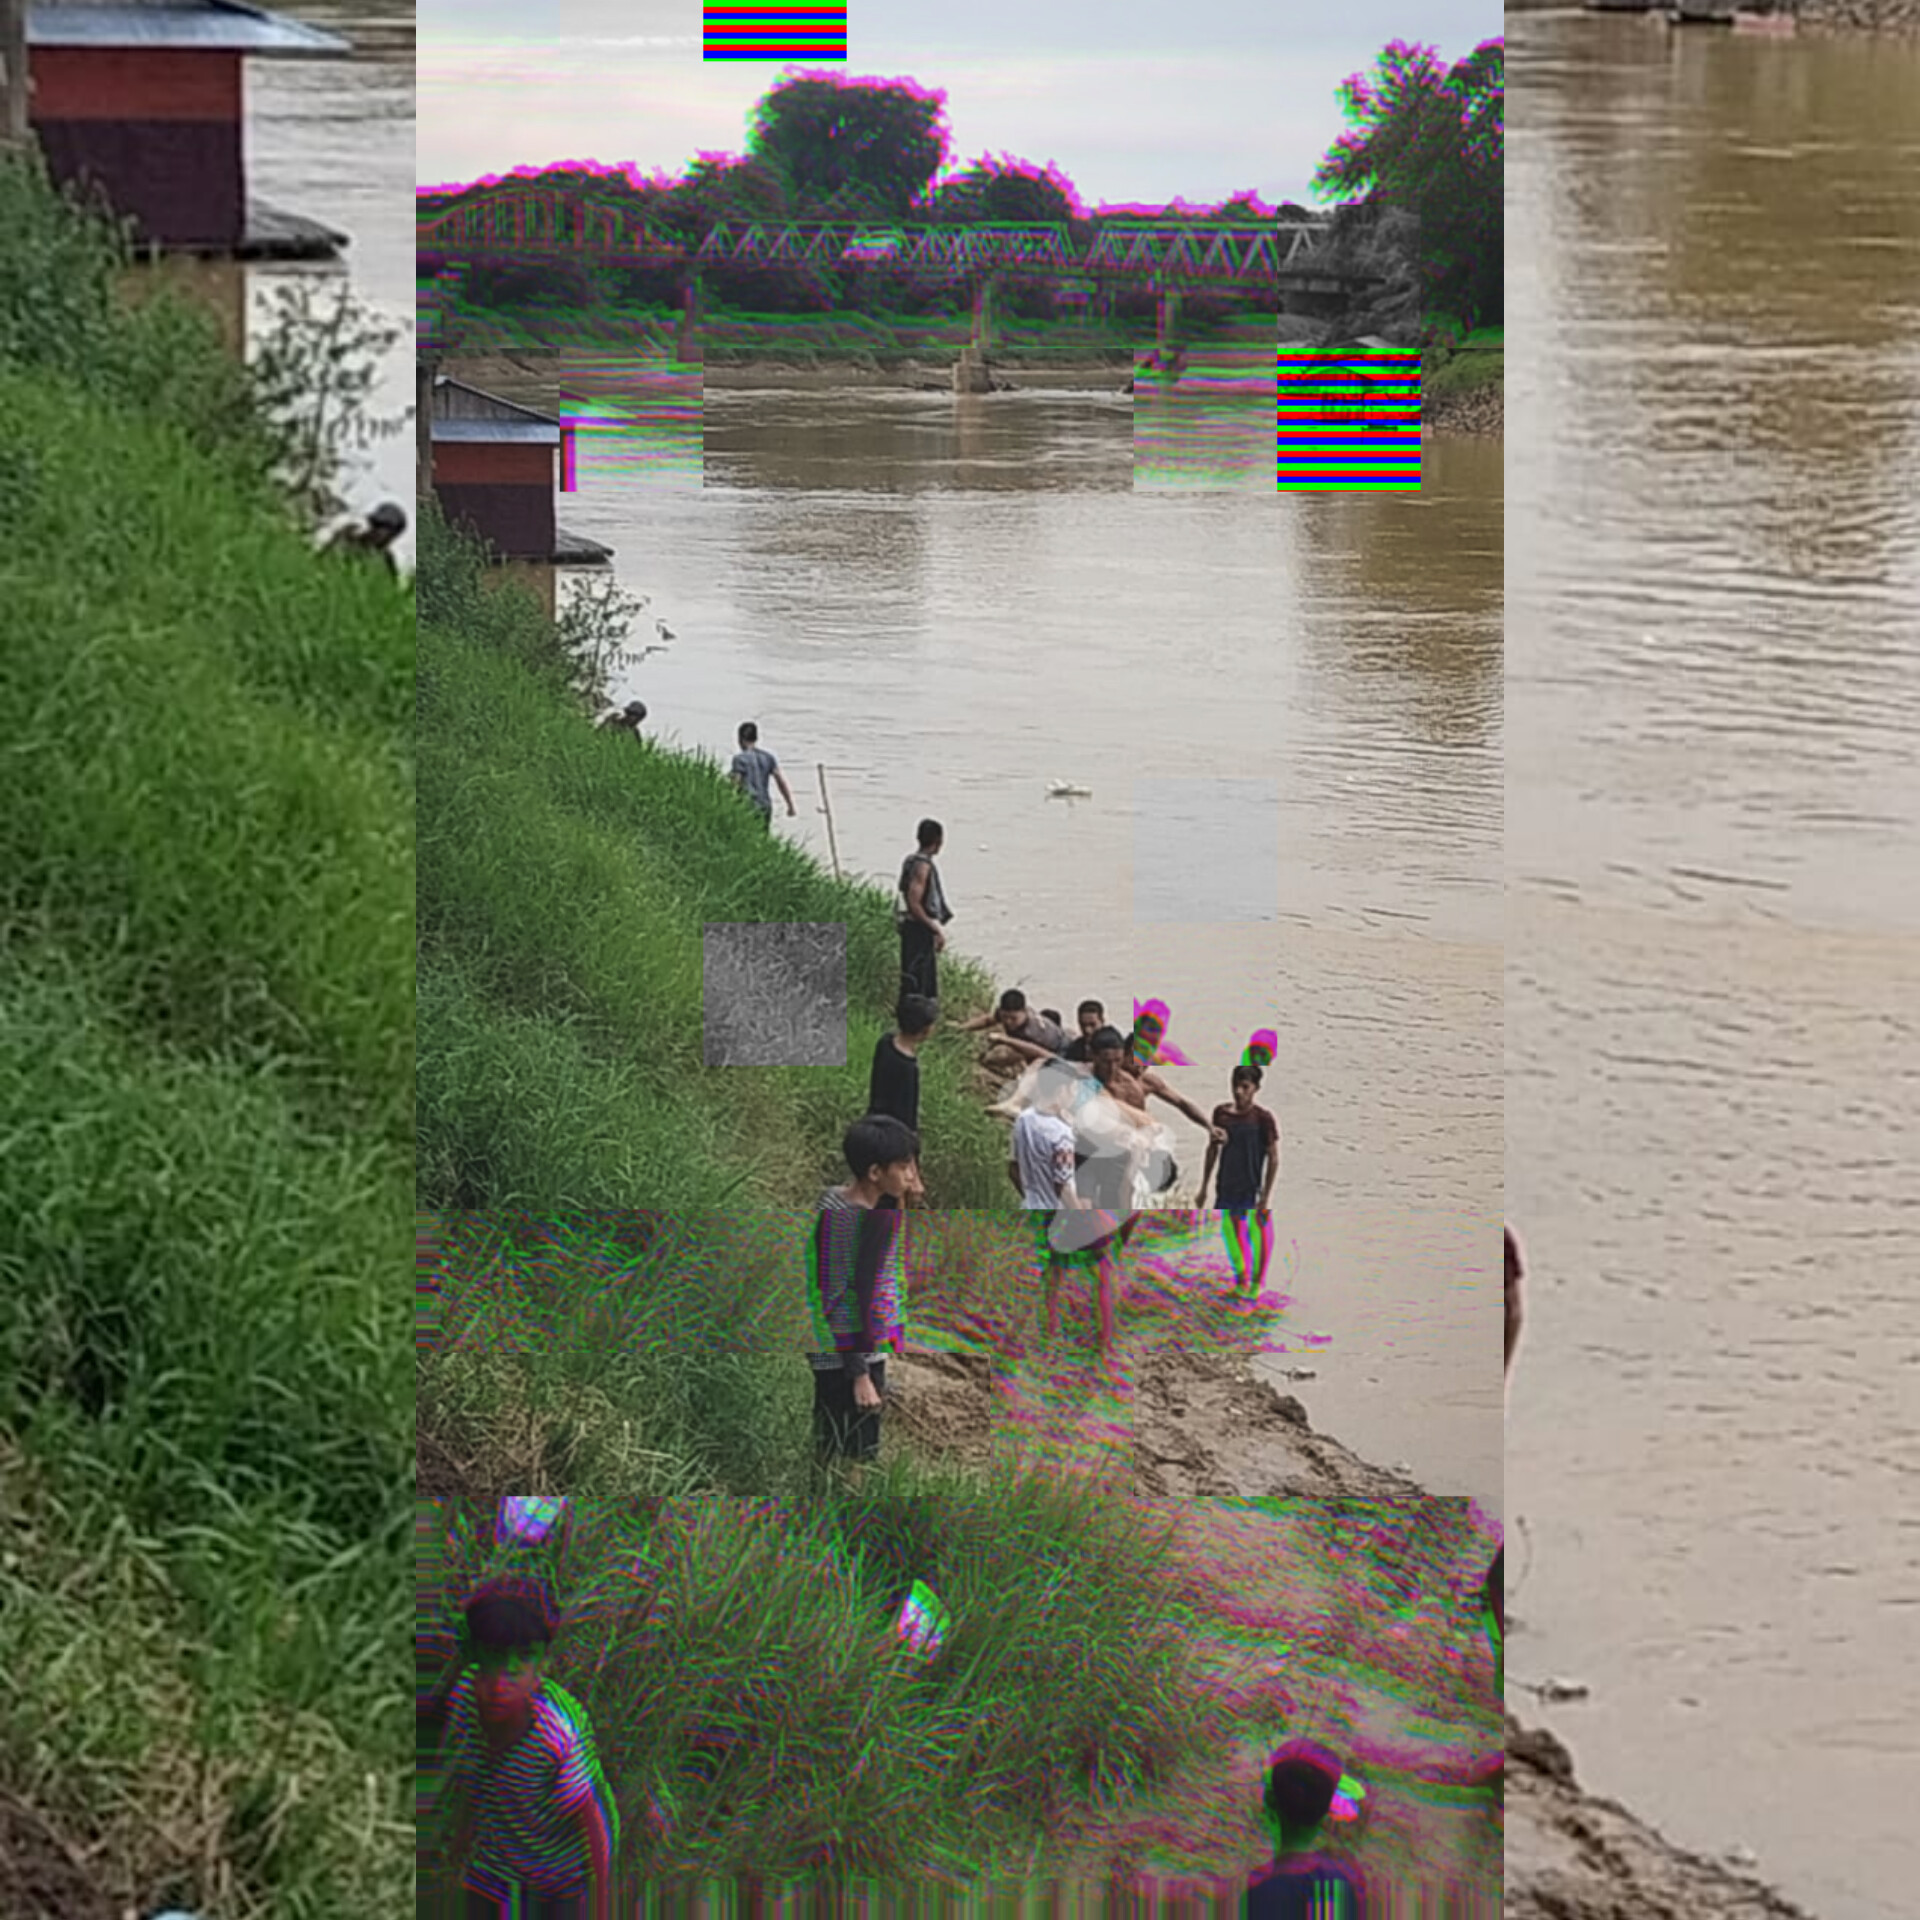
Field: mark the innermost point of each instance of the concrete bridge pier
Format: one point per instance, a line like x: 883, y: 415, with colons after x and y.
x: 1166, y: 319
x: 686, y: 338
x: 984, y: 291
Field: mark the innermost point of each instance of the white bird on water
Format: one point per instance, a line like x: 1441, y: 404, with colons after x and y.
x: 1066, y: 790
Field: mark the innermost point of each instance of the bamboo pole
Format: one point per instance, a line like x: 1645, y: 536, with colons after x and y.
x: 826, y: 807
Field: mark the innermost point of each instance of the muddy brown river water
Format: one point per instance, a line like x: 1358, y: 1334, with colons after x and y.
x: 1713, y: 936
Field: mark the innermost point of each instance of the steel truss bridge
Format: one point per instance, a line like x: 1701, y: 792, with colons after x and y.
x: 545, y: 225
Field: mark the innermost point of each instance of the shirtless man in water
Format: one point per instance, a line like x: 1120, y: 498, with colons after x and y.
x: 1118, y: 1067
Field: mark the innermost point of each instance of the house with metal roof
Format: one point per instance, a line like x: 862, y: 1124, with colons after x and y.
x: 144, y: 98
x: 496, y: 468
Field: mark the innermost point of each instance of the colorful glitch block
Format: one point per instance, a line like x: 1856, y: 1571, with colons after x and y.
x: 1348, y: 421
x: 773, y: 33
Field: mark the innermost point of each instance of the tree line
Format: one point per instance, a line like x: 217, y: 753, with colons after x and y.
x: 1421, y: 165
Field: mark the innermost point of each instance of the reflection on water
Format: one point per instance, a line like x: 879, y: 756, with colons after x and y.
x: 911, y: 442
x: 1714, y: 945
x: 952, y: 649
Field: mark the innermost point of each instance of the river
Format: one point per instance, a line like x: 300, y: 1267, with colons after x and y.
x: 1713, y: 986
x: 1287, y: 710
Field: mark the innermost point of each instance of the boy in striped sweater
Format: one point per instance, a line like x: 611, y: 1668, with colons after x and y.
x: 854, y: 1270
x: 523, y: 1777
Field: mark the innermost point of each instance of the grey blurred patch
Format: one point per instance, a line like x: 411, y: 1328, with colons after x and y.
x: 1206, y: 850
x: 774, y: 994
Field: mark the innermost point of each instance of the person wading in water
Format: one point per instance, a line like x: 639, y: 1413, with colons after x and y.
x: 923, y: 914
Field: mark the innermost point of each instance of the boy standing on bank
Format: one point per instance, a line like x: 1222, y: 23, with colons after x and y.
x: 1249, y: 1164
x: 523, y: 1777
x: 854, y: 1270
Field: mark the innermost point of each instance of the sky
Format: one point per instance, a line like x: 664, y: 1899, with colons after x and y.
x: 1135, y: 103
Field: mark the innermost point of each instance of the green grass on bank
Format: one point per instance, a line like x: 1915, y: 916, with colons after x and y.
x: 206, y: 890
x: 736, y: 1746
x: 669, y: 1360
x: 728, y: 1618
x: 667, y: 1388
x: 566, y: 879
x: 1464, y: 374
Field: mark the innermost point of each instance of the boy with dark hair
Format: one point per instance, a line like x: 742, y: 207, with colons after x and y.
x: 1303, y: 1883
x: 893, y: 1087
x: 1249, y: 1164
x: 523, y: 1774
x: 854, y: 1270
x: 1090, y: 1017
x: 1024, y: 1034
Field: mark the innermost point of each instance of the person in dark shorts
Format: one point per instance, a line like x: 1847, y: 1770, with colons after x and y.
x: 923, y: 914
x: 1305, y: 1882
x: 1249, y: 1164
x: 756, y: 772
x: 523, y: 1776
x: 854, y: 1270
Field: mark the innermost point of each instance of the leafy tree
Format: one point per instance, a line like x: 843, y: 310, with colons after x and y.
x: 860, y: 149
x: 1005, y: 191
x: 1431, y: 140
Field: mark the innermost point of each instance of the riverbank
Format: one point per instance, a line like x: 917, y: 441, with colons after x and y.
x: 1466, y: 395
x: 206, y: 1088
x: 1312, y: 1593
x: 567, y: 881
x: 1459, y: 397
x: 1899, y: 18
x: 1573, y: 1856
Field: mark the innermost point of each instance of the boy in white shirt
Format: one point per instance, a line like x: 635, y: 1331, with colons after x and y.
x: 1042, y: 1171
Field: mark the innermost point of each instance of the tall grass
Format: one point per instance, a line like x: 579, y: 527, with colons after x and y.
x: 566, y: 881
x: 205, y: 1125
x: 728, y: 1626
x: 555, y: 1357
x: 758, y: 1715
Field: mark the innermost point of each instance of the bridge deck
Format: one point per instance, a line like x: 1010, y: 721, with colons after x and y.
x: 523, y: 227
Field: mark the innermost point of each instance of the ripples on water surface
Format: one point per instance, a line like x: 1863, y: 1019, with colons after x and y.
x: 1713, y: 986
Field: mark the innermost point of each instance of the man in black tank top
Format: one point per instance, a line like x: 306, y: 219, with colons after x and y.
x: 923, y: 914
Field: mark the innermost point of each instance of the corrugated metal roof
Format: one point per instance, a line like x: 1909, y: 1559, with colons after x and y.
x: 459, y: 400
x: 214, y: 26
x: 528, y: 432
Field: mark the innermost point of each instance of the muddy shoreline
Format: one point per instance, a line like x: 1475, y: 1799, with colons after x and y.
x: 1480, y: 412
x: 530, y: 378
x: 1573, y: 1856
x: 1198, y: 1427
